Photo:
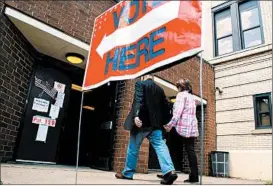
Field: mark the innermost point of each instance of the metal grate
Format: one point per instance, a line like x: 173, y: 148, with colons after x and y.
x: 220, y: 164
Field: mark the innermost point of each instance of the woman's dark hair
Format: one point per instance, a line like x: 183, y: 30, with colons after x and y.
x: 184, y: 84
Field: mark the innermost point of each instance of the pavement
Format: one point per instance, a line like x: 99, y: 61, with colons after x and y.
x: 57, y: 174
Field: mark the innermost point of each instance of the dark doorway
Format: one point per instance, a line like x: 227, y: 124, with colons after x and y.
x: 96, y: 130
x: 68, y: 135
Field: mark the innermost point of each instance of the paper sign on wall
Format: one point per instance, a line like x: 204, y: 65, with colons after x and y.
x: 46, y: 87
x: 42, y: 133
x: 54, y: 111
x: 40, y: 105
x: 40, y: 120
x: 60, y: 87
x: 60, y: 99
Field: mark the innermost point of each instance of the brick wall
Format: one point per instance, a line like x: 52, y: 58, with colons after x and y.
x: 17, y: 55
x: 16, y: 63
x: 72, y: 17
x: 186, y: 69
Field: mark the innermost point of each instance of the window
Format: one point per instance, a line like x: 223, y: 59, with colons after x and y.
x: 237, y: 26
x: 263, y: 110
x: 224, y: 32
x: 250, y: 24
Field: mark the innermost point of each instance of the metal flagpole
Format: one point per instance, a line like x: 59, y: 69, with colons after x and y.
x: 202, y: 118
x: 79, y: 136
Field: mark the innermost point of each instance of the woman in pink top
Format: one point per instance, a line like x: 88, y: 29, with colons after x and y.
x: 185, y: 124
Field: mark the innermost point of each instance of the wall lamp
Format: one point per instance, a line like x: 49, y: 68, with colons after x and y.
x: 74, y: 58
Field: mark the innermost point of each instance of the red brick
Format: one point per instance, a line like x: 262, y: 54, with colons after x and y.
x: 65, y: 15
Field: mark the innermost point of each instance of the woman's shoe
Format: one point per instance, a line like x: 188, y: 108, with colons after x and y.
x: 191, y: 181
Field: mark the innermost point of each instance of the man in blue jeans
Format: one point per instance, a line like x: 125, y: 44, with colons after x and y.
x: 145, y: 120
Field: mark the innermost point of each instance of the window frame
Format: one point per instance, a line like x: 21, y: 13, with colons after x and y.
x: 237, y: 31
x: 222, y: 37
x: 252, y: 28
x: 257, y: 113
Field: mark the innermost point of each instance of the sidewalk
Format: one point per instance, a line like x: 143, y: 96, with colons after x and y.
x: 56, y: 174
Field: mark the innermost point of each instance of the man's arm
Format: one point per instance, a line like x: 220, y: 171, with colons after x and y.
x: 138, y: 98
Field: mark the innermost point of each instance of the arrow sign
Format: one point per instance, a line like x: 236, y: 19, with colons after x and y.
x: 127, y: 35
x: 135, y: 37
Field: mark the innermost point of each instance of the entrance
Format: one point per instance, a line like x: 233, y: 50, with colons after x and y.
x: 96, y: 129
x: 60, y: 143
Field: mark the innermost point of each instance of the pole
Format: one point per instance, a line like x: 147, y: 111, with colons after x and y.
x: 202, y: 118
x: 79, y: 137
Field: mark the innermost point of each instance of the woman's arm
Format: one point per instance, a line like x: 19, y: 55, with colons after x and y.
x: 177, y: 110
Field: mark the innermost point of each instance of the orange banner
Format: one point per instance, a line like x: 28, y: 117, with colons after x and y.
x: 135, y: 37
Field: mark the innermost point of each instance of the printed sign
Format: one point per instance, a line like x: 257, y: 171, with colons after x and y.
x: 42, y: 133
x: 60, y: 99
x: 46, y: 87
x: 54, y: 111
x: 59, y: 87
x: 40, y: 120
x: 40, y: 105
x: 135, y: 37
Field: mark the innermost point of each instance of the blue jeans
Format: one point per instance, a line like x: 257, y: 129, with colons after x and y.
x: 161, y: 149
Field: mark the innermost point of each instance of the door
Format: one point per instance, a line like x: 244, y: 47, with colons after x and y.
x: 39, y: 136
x: 102, y: 151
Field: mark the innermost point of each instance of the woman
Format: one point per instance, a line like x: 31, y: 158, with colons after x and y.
x: 185, y: 123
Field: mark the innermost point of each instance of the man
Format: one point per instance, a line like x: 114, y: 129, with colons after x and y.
x: 146, y: 120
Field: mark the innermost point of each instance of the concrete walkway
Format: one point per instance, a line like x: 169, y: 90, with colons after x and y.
x: 56, y: 174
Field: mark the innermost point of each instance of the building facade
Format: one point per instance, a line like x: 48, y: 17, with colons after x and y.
x: 239, y: 45
x: 19, y: 55
x: 38, y: 35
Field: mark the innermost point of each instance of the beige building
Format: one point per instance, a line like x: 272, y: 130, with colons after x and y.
x: 238, y: 42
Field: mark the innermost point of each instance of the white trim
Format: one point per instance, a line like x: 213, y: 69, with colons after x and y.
x: 48, y: 29
x: 173, y: 87
x: 30, y: 161
x: 240, y: 54
x: 165, y: 83
x: 189, y: 53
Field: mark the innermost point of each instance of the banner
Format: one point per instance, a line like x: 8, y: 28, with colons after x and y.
x: 135, y: 37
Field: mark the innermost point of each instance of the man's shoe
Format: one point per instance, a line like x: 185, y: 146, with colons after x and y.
x: 160, y: 176
x: 191, y: 181
x: 169, y: 178
x: 120, y: 176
